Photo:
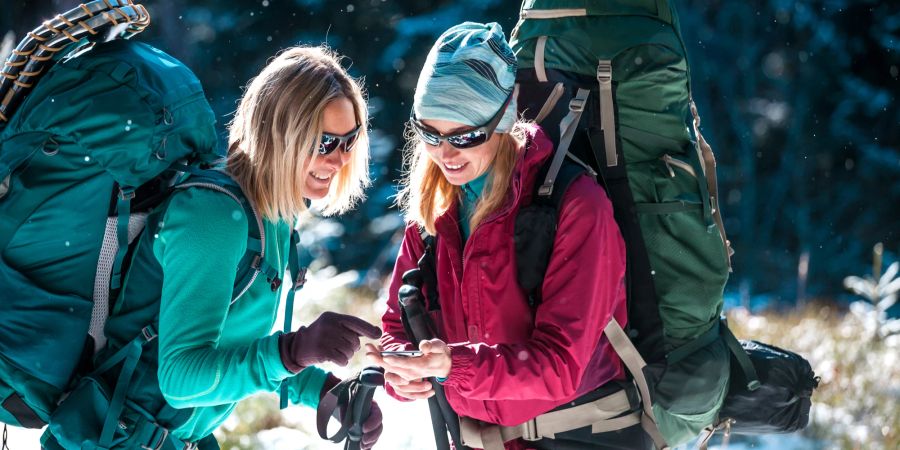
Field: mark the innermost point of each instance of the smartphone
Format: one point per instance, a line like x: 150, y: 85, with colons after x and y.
x: 402, y: 353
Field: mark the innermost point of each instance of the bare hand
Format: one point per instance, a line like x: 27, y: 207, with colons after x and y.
x: 434, y: 362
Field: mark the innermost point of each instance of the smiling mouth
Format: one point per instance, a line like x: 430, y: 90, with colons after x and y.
x: 319, y: 177
x: 454, y: 168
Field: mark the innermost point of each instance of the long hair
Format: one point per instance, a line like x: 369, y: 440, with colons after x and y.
x: 277, y: 127
x: 425, y: 193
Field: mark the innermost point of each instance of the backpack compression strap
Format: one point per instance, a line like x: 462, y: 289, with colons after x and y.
x: 100, y: 20
x: 297, y: 270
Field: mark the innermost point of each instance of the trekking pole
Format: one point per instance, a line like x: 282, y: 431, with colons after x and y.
x: 412, y: 305
x: 355, y: 395
x: 361, y: 404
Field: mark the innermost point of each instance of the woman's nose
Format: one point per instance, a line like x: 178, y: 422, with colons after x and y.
x: 337, y: 159
x: 445, y: 150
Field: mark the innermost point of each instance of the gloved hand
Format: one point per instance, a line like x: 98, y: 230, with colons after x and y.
x: 331, y: 337
x: 371, y: 428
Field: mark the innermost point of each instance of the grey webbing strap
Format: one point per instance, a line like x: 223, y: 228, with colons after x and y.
x: 552, y: 13
x: 635, y: 364
x: 709, y: 170
x: 607, y: 111
x: 600, y: 415
x: 108, y: 250
x: 618, y: 423
x: 567, y: 129
x: 539, y: 49
x: 550, y: 103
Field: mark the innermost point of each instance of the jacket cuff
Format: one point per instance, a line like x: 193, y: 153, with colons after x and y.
x: 284, y: 351
x: 461, y: 365
x: 330, y: 381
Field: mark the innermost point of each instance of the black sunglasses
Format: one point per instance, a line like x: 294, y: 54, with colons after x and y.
x: 331, y: 142
x: 463, y: 139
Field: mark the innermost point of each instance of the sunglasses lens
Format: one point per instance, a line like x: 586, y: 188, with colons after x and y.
x: 328, y: 144
x: 348, y: 144
x: 427, y: 137
x: 468, y: 140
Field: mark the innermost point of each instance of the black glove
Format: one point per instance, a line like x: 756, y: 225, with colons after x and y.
x: 331, y: 337
x: 372, y: 428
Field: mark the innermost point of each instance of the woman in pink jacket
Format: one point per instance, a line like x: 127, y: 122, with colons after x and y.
x: 472, y: 166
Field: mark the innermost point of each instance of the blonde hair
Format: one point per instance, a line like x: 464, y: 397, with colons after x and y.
x: 275, y: 133
x: 425, y: 193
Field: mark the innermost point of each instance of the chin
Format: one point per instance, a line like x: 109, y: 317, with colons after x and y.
x: 315, y: 194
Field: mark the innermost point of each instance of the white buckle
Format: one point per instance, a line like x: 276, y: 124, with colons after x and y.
x: 530, y: 431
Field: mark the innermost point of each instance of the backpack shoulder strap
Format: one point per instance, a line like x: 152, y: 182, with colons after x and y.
x: 535, y: 229
x: 253, y: 263
x: 428, y: 268
x: 567, y: 175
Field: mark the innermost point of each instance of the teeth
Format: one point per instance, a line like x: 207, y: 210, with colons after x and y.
x: 319, y: 177
x: 452, y: 167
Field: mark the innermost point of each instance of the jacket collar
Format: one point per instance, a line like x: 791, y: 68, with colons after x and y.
x: 537, y: 149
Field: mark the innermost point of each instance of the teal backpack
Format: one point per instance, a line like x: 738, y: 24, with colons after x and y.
x: 86, y: 154
x: 609, y: 83
x: 96, y: 133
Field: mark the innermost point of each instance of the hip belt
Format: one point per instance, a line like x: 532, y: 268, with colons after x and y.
x: 608, y: 413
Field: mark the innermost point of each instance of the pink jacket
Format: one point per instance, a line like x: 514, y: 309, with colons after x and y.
x: 511, y: 363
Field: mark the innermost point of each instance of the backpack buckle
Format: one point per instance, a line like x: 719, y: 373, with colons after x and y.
x: 158, y: 439
x: 577, y: 104
x: 530, y: 431
x: 126, y: 193
x: 148, y: 333
x: 301, y: 279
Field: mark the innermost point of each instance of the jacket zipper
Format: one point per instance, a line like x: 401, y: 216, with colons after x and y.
x: 262, y: 231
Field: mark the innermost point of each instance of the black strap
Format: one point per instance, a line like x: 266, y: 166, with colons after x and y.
x: 645, y: 325
x: 428, y: 268
x: 540, y: 219
x: 354, y: 396
x: 22, y: 412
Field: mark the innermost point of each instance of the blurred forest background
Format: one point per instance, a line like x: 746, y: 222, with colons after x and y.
x: 798, y: 99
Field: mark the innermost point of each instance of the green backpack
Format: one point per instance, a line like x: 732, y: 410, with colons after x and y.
x: 609, y: 83
x: 85, y: 154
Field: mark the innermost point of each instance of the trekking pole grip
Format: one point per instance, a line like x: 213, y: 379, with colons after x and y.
x: 369, y: 380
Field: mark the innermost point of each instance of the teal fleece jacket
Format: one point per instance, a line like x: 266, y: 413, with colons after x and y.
x: 213, y: 353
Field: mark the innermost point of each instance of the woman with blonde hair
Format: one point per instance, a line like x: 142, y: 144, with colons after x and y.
x: 501, y: 361
x: 298, y: 135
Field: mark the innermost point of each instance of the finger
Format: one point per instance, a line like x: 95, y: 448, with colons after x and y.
x: 339, y: 357
x: 394, y: 379
x: 373, y: 348
x: 360, y: 327
x: 374, y: 420
x: 374, y: 356
x: 416, y: 395
x: 347, y: 342
x: 369, y: 439
x: 417, y: 386
x: 433, y: 346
